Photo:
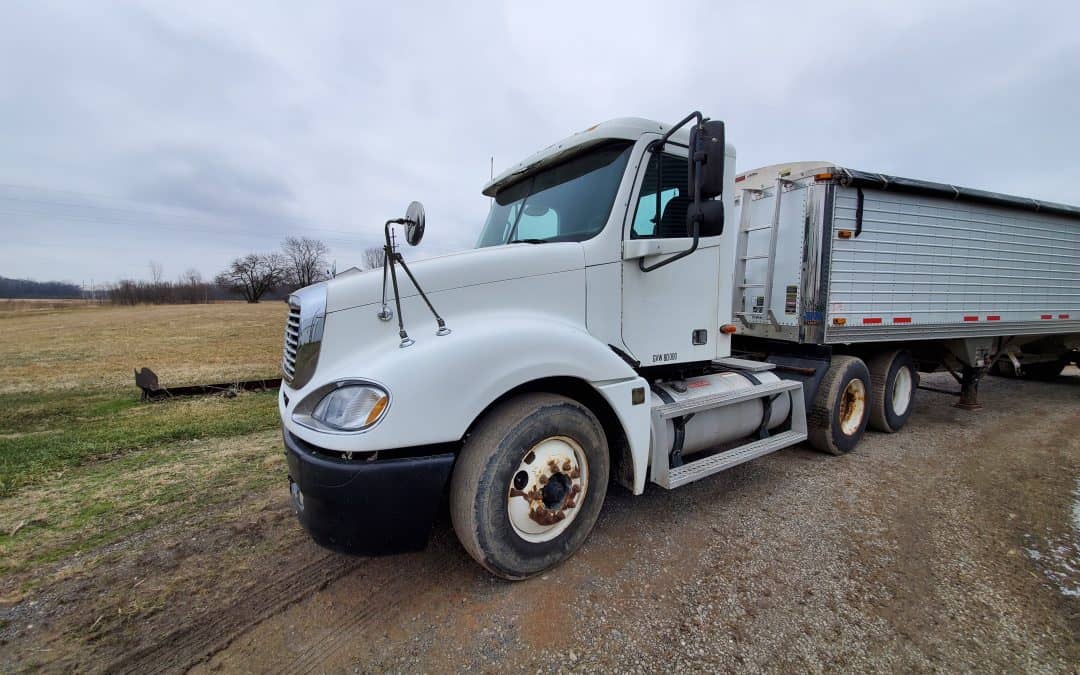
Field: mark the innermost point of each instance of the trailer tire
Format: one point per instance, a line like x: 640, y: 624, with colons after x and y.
x: 893, y: 380
x: 1040, y: 370
x: 1046, y: 370
x: 528, y: 484
x: 839, y: 412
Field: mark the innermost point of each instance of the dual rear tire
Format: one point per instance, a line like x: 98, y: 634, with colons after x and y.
x: 855, y: 394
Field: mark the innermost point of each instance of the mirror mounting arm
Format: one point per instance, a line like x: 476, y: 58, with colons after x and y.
x: 696, y: 230
x: 390, y: 257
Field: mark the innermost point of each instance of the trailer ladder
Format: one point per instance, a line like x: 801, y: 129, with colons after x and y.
x: 667, y: 475
x: 741, y: 257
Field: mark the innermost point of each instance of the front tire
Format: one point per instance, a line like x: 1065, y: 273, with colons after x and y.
x: 529, y: 483
x: 893, y: 380
x: 839, y: 412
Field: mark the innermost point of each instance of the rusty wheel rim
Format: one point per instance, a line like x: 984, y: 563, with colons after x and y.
x: 852, y: 407
x: 548, y: 488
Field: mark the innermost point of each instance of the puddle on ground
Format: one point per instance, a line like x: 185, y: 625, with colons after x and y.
x: 1059, y: 556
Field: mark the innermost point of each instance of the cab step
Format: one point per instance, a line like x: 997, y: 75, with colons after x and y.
x: 692, y: 471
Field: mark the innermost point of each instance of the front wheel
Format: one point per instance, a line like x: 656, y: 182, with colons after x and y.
x: 529, y: 483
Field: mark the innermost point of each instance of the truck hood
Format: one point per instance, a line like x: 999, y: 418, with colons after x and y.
x: 457, y: 270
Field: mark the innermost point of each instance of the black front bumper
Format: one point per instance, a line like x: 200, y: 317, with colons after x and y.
x: 369, y: 507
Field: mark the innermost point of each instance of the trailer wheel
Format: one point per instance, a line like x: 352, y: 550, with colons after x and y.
x: 529, y: 483
x: 840, y: 409
x: 893, y: 380
x: 1041, y: 370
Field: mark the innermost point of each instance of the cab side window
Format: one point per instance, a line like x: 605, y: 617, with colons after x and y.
x: 665, y: 180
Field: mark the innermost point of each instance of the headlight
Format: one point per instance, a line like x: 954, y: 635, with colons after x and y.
x: 345, y: 407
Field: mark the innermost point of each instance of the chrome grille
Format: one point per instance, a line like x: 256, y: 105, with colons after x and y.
x: 292, y: 342
x: 303, y: 335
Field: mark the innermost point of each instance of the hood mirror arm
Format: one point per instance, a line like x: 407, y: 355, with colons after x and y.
x: 390, y: 257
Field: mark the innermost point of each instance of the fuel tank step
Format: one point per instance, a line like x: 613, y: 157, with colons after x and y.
x: 692, y: 471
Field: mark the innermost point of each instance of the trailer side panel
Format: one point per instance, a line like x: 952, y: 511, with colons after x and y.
x: 907, y: 266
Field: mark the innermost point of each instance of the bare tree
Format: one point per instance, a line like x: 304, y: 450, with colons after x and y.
x: 306, y: 261
x: 190, y: 287
x: 373, y: 257
x: 253, y: 275
x: 191, y: 277
x: 156, y: 271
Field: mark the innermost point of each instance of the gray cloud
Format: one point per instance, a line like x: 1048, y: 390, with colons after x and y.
x: 191, y: 133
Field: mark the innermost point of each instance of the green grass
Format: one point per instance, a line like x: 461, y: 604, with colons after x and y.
x: 42, y: 435
x: 99, y: 503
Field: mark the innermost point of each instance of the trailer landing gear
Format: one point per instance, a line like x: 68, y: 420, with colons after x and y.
x: 969, y: 388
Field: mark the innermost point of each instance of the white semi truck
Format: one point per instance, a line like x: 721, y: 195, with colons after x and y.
x: 635, y: 311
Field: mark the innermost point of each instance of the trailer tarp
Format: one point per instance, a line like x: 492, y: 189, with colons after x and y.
x: 878, y: 181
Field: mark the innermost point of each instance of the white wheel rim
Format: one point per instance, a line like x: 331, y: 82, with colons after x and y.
x: 852, y: 407
x: 903, y: 385
x: 548, y: 488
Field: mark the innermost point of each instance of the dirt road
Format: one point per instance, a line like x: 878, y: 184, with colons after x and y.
x: 954, y: 544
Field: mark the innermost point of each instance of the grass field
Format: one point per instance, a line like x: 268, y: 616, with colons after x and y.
x: 84, y: 463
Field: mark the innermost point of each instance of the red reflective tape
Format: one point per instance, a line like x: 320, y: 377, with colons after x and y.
x: 901, y: 319
x: 872, y: 319
x: 971, y: 318
x: 993, y: 317
x: 1047, y: 316
x: 1063, y: 316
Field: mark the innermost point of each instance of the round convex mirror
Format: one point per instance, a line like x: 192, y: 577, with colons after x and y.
x: 414, y: 229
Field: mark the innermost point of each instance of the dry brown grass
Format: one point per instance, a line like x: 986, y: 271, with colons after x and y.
x: 70, y: 345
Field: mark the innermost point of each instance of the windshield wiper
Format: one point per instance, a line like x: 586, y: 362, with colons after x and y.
x: 528, y: 241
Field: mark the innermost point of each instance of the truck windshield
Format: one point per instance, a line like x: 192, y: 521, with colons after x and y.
x: 566, y: 202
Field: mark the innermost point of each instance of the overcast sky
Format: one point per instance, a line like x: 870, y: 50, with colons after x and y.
x: 192, y: 132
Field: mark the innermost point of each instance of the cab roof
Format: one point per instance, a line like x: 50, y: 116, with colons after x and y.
x: 624, y: 128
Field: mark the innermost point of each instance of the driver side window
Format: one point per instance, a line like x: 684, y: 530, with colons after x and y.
x: 666, y: 181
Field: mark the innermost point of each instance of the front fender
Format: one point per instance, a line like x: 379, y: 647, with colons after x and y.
x: 440, y: 385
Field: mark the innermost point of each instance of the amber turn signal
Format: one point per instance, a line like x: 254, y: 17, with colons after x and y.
x: 839, y: 321
x: 728, y: 328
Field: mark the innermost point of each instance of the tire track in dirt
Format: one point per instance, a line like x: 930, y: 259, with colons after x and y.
x: 178, y: 650
x: 395, y: 589
x: 325, y: 630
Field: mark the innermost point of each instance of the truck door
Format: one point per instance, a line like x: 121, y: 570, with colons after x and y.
x: 669, y: 315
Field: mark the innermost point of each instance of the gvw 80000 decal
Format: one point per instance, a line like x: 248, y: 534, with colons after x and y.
x: 669, y: 356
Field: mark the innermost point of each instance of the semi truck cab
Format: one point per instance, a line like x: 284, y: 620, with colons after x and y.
x: 572, y: 346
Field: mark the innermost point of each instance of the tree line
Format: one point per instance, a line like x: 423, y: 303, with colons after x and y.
x: 26, y: 288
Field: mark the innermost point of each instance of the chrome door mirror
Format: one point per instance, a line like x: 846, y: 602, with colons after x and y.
x: 414, y: 223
